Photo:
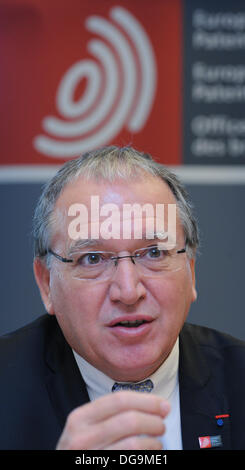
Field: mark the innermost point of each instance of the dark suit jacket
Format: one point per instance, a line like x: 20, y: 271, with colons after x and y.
x: 40, y: 384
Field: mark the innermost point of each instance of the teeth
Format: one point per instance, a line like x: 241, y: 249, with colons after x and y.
x: 131, y: 323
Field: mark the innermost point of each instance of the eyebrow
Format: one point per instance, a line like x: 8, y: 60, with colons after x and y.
x: 83, y: 243
x: 93, y: 242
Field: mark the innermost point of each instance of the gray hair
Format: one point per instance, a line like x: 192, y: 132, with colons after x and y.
x: 108, y: 163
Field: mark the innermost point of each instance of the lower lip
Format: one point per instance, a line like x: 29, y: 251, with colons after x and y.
x: 132, y: 332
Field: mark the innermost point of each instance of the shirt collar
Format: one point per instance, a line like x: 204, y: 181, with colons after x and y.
x: 165, y: 378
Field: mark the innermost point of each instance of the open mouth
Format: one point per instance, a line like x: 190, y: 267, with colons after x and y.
x: 128, y: 322
x: 126, y: 327
x: 131, y: 324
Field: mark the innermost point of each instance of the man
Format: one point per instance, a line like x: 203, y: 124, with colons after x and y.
x: 117, y: 287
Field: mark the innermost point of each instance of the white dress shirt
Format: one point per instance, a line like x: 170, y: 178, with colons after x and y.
x: 166, y: 385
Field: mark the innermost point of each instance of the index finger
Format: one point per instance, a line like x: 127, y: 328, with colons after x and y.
x: 114, y: 403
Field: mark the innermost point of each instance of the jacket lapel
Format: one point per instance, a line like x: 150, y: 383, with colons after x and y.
x: 64, y: 383
x: 202, y: 398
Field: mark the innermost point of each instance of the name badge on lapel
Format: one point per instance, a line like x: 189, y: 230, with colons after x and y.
x: 206, y: 442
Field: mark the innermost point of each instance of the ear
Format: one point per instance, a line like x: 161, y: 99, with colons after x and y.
x: 193, y: 275
x: 42, y: 276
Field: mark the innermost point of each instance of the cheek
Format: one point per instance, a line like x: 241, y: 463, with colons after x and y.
x: 74, y: 302
x: 173, y: 295
x: 163, y: 290
x: 77, y: 312
x: 60, y: 293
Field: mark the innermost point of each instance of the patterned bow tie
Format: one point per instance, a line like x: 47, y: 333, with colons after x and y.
x: 145, y: 386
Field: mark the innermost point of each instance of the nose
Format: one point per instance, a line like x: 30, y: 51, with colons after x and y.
x: 126, y: 285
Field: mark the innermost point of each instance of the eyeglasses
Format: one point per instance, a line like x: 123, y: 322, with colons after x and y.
x: 100, y: 265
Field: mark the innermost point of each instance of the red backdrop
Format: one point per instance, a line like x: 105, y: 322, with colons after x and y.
x: 46, y: 42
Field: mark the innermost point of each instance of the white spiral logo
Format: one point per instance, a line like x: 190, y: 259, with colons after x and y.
x: 120, y: 89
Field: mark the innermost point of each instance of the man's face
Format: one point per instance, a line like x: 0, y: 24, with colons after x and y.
x: 89, y: 311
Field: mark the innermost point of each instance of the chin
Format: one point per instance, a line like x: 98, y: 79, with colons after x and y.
x: 134, y: 370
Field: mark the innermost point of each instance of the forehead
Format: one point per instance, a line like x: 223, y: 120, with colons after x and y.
x: 99, y: 200
x: 146, y: 189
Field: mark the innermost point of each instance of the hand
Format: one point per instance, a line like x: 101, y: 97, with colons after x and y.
x: 121, y: 420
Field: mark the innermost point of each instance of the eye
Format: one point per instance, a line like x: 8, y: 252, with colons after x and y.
x: 88, y: 259
x: 151, y: 253
x: 154, y: 252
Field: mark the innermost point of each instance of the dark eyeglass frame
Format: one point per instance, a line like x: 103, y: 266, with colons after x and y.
x: 114, y: 258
